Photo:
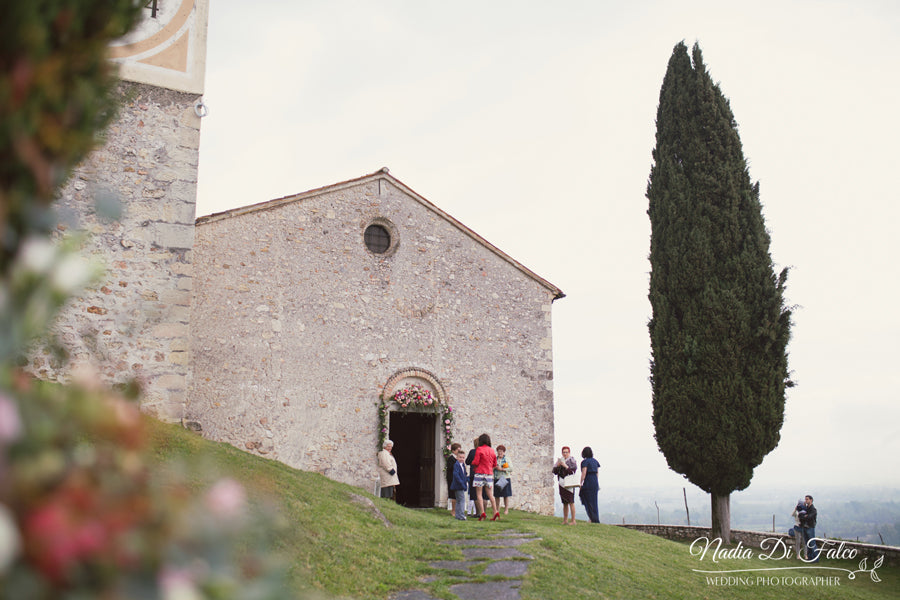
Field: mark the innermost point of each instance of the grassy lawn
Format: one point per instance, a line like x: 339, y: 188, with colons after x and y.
x: 333, y: 543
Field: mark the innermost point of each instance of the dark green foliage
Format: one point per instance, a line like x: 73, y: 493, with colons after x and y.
x: 719, y: 329
x: 55, y: 85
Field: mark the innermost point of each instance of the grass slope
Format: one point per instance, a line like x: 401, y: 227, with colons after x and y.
x: 333, y: 543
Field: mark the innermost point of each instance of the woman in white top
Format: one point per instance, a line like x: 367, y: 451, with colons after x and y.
x: 387, y: 470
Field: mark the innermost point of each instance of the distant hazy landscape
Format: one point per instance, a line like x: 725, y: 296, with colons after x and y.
x: 852, y: 513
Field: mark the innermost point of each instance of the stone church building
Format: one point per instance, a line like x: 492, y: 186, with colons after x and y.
x: 310, y: 312
x: 287, y: 327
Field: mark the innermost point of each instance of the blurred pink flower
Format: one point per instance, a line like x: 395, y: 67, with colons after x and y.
x: 10, y: 424
x: 87, y: 376
x: 178, y: 584
x: 63, y: 532
x: 10, y: 542
x: 226, y: 498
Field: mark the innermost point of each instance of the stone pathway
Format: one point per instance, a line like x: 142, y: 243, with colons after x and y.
x: 501, y: 557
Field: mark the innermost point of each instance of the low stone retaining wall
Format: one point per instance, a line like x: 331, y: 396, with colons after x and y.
x: 753, y: 539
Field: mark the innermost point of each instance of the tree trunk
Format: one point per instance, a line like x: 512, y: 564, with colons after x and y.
x: 721, y: 517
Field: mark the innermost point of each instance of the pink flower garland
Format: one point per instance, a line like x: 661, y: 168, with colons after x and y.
x: 416, y: 396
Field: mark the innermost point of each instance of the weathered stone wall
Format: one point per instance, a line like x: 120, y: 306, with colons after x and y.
x: 297, y: 327
x: 134, y: 324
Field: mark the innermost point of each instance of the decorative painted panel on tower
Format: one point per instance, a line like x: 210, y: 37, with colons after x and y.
x: 168, y: 48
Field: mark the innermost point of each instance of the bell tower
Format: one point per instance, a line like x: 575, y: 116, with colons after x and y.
x: 135, y: 324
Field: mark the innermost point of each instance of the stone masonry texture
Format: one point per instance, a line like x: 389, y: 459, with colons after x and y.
x: 134, y: 324
x: 296, y: 327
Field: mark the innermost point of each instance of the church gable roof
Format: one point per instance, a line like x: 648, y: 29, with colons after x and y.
x: 382, y: 174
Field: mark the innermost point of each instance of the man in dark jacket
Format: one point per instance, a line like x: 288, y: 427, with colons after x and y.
x: 808, y: 525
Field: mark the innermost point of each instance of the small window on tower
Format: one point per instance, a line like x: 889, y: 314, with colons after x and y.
x: 377, y: 239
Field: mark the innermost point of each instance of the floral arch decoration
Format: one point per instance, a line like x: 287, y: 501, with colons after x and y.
x: 415, y: 397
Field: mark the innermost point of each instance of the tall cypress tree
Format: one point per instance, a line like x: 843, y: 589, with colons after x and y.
x: 720, y: 328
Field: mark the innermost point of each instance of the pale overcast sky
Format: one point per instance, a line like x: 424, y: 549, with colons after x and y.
x: 533, y: 123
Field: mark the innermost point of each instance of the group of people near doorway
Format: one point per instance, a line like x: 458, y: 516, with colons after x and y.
x: 568, y: 477
x: 487, y: 479
x: 804, y: 530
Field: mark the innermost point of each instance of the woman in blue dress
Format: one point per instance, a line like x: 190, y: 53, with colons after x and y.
x: 590, y: 486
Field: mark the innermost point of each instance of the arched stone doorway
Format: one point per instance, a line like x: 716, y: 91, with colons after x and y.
x: 412, y: 416
x: 414, y: 451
